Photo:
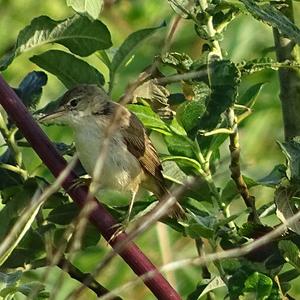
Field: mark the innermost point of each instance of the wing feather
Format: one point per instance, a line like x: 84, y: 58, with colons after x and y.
x: 139, y: 144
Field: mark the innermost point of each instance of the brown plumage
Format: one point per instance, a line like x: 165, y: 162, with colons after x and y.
x: 131, y: 159
x: 139, y: 145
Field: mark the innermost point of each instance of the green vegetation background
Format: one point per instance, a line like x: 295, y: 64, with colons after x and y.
x: 245, y: 38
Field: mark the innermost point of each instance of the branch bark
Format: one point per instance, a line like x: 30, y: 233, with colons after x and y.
x: 76, y: 274
x: 99, y: 216
x: 235, y: 167
x: 289, y: 79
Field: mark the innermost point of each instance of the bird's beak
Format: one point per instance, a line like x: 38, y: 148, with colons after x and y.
x: 51, y: 117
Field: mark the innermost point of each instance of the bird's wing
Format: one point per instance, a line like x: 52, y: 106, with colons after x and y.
x: 139, y: 144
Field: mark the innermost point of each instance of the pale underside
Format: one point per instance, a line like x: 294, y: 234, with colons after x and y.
x: 121, y: 170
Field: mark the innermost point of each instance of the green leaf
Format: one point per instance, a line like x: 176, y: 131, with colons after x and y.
x: 10, y: 285
x: 149, y: 118
x: 230, y: 191
x: 69, y: 69
x: 18, y: 198
x: 227, y: 220
x: 29, y: 249
x: 91, y: 236
x: 291, y: 150
x: 36, y: 288
x: 202, y: 225
x: 180, y: 145
x: 190, y: 112
x: 102, y: 55
x: 127, y: 46
x: 290, y: 252
x: 215, y: 283
x: 288, y: 275
x: 10, y: 279
x: 21, y: 225
x: 189, y: 162
x: 253, y: 230
x: 55, y: 200
x: 256, y: 65
x: 250, y: 96
x: 80, y: 35
x: 90, y: 7
x: 8, y: 178
x: 176, y: 128
x: 200, y: 197
x: 236, y: 282
x: 172, y: 172
x: 259, y: 286
x: 196, y: 230
x: 224, y: 78
x: 31, y: 87
x: 194, y: 295
x: 285, y: 207
x: 216, y: 141
x: 231, y: 265
x: 63, y: 214
x: 275, y: 177
x: 270, y: 15
x: 87, y: 259
x: 180, y: 61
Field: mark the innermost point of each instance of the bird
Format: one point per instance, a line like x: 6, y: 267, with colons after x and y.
x: 131, y: 160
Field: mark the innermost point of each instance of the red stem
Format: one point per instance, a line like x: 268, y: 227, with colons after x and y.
x: 100, y: 217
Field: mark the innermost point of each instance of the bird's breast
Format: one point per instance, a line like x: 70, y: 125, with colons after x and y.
x: 120, y: 167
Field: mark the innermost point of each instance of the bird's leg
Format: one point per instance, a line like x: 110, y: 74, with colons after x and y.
x: 134, y: 192
x: 122, y: 227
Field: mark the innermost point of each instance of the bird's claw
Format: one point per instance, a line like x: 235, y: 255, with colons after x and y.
x: 80, y: 182
x: 120, y: 228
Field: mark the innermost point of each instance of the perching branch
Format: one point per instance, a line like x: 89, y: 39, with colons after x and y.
x: 99, y: 216
x: 138, y: 227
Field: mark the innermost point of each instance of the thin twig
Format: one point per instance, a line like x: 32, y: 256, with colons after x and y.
x: 200, y: 75
x: 235, y: 167
x: 16, y: 169
x: 217, y: 256
x: 171, y: 33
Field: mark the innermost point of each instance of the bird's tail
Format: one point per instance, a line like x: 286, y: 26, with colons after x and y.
x: 176, y: 210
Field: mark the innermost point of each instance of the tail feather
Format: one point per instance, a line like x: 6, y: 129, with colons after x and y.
x: 161, y: 193
x: 177, y: 210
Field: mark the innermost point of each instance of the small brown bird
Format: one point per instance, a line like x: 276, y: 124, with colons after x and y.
x: 131, y: 160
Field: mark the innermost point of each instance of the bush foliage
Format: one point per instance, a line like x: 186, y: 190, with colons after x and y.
x: 192, y: 105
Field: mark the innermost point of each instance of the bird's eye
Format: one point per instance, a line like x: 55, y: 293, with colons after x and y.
x: 73, y: 102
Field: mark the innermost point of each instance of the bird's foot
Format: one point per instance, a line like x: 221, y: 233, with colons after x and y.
x: 120, y: 228
x: 80, y: 182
